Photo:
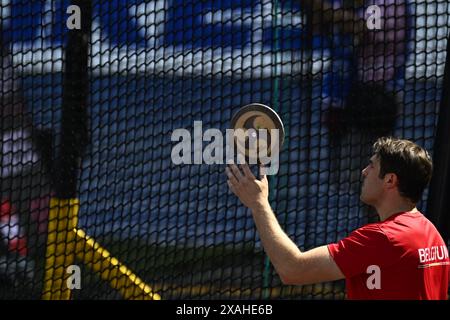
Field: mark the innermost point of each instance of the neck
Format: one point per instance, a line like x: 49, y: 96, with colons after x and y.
x: 386, y: 210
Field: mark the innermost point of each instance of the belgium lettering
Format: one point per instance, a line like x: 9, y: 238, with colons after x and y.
x: 257, y: 146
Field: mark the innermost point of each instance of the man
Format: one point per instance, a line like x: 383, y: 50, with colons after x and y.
x: 400, y: 257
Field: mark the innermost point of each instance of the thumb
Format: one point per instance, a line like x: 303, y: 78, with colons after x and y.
x: 262, y: 173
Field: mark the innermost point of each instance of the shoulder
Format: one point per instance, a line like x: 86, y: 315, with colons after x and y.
x: 370, y: 230
x: 409, y: 228
x: 370, y: 235
x: 373, y: 234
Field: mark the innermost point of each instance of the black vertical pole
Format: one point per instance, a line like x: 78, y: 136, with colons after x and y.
x: 438, y: 204
x: 74, y: 123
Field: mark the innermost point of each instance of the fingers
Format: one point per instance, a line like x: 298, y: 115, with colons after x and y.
x: 247, y: 171
x: 232, y: 182
x: 234, y: 170
x: 231, y: 186
x: 237, y: 179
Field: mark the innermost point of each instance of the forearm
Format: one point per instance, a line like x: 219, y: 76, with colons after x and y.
x: 293, y: 266
x: 282, y: 251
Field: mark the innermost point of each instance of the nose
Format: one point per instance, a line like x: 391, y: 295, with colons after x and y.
x: 364, y: 172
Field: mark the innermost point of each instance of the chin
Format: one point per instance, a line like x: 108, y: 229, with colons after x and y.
x: 364, y: 200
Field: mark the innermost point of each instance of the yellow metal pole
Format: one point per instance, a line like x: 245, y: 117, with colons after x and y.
x: 60, y: 252
x: 110, y: 269
x: 65, y: 241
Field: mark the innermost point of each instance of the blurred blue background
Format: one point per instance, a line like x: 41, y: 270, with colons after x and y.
x: 161, y: 65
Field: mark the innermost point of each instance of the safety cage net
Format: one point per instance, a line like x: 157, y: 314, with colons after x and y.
x: 93, y: 205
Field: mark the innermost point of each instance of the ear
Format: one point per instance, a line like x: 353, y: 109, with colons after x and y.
x: 391, y: 180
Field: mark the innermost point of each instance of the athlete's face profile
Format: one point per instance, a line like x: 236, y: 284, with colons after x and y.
x: 372, y: 185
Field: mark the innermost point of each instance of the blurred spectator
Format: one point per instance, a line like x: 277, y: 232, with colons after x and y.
x: 24, y: 181
x: 362, y: 104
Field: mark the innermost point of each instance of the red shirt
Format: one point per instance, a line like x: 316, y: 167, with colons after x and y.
x: 402, y: 257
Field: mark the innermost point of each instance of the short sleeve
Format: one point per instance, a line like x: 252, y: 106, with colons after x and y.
x: 364, y: 247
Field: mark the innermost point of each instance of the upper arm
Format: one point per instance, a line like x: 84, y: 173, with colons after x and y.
x: 313, y: 266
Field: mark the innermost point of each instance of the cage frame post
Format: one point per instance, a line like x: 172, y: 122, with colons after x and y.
x: 60, y: 253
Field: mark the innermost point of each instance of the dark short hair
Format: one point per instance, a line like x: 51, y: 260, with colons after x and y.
x: 410, y: 162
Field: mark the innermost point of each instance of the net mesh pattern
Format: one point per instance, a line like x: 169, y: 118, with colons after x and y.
x: 158, y: 66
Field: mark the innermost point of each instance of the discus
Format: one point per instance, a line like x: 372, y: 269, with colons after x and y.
x: 263, y: 120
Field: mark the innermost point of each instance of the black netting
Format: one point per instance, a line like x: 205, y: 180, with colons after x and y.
x: 158, y: 66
